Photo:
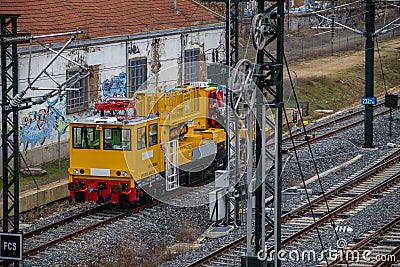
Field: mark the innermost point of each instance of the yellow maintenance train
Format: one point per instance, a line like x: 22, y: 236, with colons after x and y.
x: 155, y: 142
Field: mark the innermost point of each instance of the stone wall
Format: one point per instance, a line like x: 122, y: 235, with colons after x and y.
x: 46, y: 153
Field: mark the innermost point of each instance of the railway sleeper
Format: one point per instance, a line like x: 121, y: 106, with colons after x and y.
x: 394, y: 232
x: 349, y: 195
x: 227, y: 258
x: 391, y: 242
x: 316, y: 214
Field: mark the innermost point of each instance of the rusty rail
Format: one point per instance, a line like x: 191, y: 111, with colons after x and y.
x: 86, y: 229
x: 387, y: 161
x: 344, y: 207
x: 326, y: 135
x: 381, y: 231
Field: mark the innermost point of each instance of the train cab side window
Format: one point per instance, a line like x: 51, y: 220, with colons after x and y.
x: 86, y: 137
x: 126, y: 139
x: 117, y: 139
x: 141, y: 137
x: 77, y: 137
x: 153, y: 134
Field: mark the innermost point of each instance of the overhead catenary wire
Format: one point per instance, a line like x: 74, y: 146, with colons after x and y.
x: 381, y: 65
x: 29, y: 170
x: 313, y: 160
x: 18, y: 99
x: 187, y: 20
x: 383, y: 30
x: 305, y: 186
x: 123, y: 66
x: 93, y: 28
x: 340, y: 6
x: 61, y: 74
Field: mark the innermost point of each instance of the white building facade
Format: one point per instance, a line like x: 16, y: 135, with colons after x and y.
x: 118, y: 67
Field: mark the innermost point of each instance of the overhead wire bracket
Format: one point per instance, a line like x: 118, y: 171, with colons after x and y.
x: 60, y: 87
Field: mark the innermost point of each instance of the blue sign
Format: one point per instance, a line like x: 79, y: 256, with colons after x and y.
x: 367, y: 100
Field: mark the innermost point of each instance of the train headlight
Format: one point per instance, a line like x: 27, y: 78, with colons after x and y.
x: 76, y: 171
x: 124, y: 173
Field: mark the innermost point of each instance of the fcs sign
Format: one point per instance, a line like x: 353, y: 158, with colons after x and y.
x: 11, y: 246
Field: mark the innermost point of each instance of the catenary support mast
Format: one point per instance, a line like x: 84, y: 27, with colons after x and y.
x: 268, y: 76
x: 9, y: 39
x: 369, y: 72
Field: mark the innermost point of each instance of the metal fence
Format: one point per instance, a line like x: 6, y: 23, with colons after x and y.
x: 314, y: 45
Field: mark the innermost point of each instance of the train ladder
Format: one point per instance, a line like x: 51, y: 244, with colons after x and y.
x: 171, y: 161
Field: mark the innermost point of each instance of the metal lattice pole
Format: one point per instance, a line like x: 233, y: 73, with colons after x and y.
x: 268, y: 76
x: 269, y: 79
x: 10, y: 141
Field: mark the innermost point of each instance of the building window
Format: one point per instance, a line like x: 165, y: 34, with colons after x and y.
x: 86, y: 137
x: 192, y: 65
x: 153, y: 134
x: 117, y: 139
x: 137, y: 73
x: 77, y: 100
x: 141, y: 137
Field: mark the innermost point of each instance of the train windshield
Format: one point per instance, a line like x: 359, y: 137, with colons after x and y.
x: 86, y: 137
x: 117, y: 139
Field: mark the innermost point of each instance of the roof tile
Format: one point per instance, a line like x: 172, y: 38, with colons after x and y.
x: 102, y: 18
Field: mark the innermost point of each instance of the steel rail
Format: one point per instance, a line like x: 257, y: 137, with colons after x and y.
x: 395, y: 252
x: 323, y: 136
x: 101, y: 208
x: 218, y: 252
x: 86, y: 229
x: 384, y: 163
x: 329, y: 123
x: 344, y: 207
x: 65, y: 220
x: 363, y: 243
x: 387, y: 161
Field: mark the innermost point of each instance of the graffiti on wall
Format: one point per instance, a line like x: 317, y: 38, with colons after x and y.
x: 133, y: 48
x: 115, y: 86
x: 79, y: 58
x: 39, y: 125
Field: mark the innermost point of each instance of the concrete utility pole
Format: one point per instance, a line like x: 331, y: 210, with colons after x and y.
x: 369, y: 100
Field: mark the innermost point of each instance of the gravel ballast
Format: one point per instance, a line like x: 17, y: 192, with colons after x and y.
x: 144, y: 239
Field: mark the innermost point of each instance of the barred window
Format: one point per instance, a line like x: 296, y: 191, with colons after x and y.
x: 192, y: 65
x: 138, y: 73
x: 77, y: 96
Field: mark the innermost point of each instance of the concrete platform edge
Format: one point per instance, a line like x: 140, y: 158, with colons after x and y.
x: 35, y: 198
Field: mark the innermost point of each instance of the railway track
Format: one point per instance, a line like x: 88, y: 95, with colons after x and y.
x: 383, y: 245
x: 68, y: 228
x: 329, y: 123
x: 60, y: 231
x: 344, y: 200
x: 310, y: 131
